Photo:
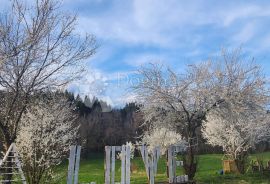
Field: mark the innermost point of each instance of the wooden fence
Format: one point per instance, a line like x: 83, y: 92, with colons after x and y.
x: 172, y: 165
x: 110, y: 156
x: 150, y: 161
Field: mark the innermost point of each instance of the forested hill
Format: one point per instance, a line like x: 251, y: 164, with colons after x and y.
x: 102, y: 125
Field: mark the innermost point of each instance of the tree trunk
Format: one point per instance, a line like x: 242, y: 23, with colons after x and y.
x: 189, y: 158
x: 241, y: 161
x: 190, y: 163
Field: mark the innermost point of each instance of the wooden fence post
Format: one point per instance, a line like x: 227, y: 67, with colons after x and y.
x: 172, y: 163
x: 123, y: 164
x: 77, y: 164
x: 127, y: 157
x: 150, y: 162
x: 110, y: 154
x: 74, y: 164
x: 71, y: 164
x: 107, y: 164
x: 170, y: 168
x: 113, y: 165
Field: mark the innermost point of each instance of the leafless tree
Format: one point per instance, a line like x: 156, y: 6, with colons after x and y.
x: 39, y: 50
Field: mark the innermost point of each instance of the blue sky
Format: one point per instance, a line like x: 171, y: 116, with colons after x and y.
x: 173, y: 32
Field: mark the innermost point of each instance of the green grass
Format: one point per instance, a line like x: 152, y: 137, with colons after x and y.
x: 209, y: 165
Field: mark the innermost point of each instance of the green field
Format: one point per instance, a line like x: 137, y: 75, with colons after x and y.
x: 209, y: 165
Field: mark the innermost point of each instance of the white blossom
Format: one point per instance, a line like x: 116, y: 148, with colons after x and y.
x: 235, y: 129
x: 163, y: 138
x: 132, y: 149
x: 45, y: 136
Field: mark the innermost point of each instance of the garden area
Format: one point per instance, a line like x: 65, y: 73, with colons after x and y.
x: 210, y: 165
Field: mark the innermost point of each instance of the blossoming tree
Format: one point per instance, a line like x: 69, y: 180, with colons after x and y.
x: 177, y: 102
x: 44, y: 138
x: 182, y: 100
x: 241, y: 120
x: 236, y: 129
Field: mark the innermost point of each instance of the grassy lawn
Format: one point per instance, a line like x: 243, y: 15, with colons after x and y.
x: 209, y: 165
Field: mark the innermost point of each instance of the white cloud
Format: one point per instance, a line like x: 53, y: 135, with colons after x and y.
x: 125, y: 99
x: 163, y: 23
x: 245, y: 34
x: 105, y: 86
x: 142, y: 59
x: 245, y: 11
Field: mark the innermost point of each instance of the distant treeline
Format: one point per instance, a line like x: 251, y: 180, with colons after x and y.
x: 101, y: 125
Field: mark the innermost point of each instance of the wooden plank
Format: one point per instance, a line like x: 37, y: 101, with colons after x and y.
x: 158, y: 151
x: 127, y: 165
x: 77, y: 164
x: 174, y: 165
x: 170, y: 164
x: 177, y: 149
x: 71, y: 164
x: 107, y: 164
x: 154, y: 161
x: 123, y: 164
x: 146, y: 162
x: 178, y: 179
x: 113, y: 165
x: 151, y: 171
x: 179, y: 163
x: 186, y: 178
x: 142, y: 152
x: 7, y: 153
x: 118, y: 148
x: 18, y: 164
x: 156, y: 158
